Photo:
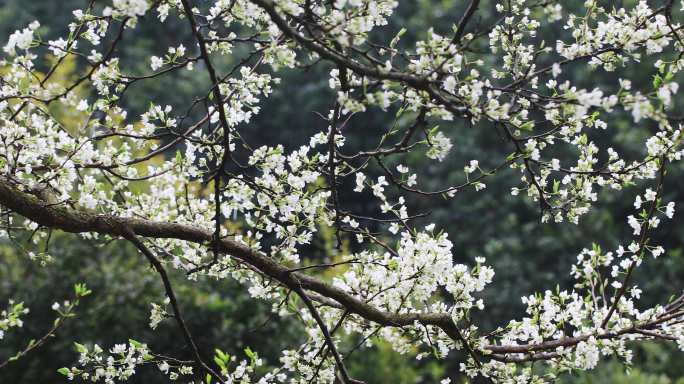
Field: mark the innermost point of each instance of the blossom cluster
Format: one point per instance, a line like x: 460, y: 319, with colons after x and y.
x: 11, y: 317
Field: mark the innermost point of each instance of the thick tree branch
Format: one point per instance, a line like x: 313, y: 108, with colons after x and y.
x: 79, y: 221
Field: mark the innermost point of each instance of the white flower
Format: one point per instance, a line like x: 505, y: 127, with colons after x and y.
x: 653, y: 222
x: 319, y: 138
x: 600, y: 124
x: 531, y: 146
x: 19, y: 39
x: 118, y: 349
x: 440, y: 146
x: 132, y: 7
x: 641, y: 107
x: 657, y: 251
x: 82, y: 105
x: 58, y: 47
x: 352, y: 223
x: 379, y: 187
x: 412, y: 180
x: 650, y: 195
x: 88, y: 201
x: 666, y: 91
x: 450, y: 84
x: 180, y: 51
x: 471, y: 167
x: 157, y: 313
x: 634, y: 223
x: 670, y: 209
x: 360, y: 179
x: 156, y: 62
x: 164, y: 367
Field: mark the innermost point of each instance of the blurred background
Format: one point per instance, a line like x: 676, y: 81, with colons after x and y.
x: 526, y: 255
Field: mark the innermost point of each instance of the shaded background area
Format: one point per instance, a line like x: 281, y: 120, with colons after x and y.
x: 525, y: 254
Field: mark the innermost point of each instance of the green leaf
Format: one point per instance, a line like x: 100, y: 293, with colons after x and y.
x: 219, y: 362
x: 135, y: 343
x: 583, y: 139
x: 528, y: 126
x: 657, y: 81
x: 400, y: 111
x: 222, y: 355
x: 661, y: 68
x: 251, y: 354
x: 64, y: 371
x: 81, y: 290
x: 433, y: 131
x: 80, y: 348
x: 396, y: 38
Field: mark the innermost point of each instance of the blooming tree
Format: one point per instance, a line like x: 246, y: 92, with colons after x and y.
x: 184, y: 186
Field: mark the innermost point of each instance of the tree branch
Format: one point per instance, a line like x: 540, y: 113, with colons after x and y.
x: 129, y: 235
x: 81, y: 221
